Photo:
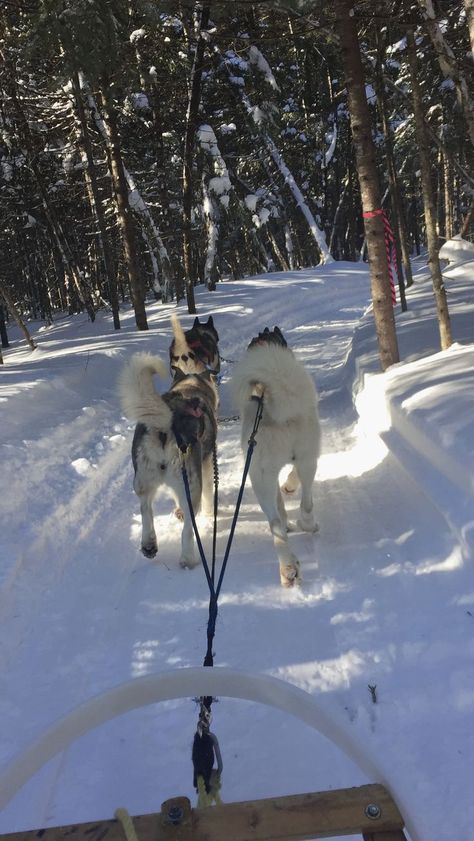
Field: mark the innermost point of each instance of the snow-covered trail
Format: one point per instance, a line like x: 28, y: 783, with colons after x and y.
x: 82, y: 610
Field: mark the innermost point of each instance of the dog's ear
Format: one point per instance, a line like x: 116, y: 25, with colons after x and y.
x: 210, y: 322
x: 196, y: 323
x: 179, y: 375
x: 281, y: 336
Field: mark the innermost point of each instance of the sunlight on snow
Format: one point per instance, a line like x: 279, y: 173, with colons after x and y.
x: 365, y: 455
x: 355, y: 616
x: 455, y: 560
x: 268, y: 598
x: 466, y: 598
x: 328, y: 675
x: 143, y: 657
x: 10, y: 389
x: 369, y: 449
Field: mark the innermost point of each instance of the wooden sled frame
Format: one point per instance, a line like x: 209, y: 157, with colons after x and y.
x: 293, y: 818
x: 298, y: 817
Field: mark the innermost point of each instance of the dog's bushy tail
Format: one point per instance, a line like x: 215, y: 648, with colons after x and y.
x: 180, y: 344
x: 140, y: 402
x: 288, y: 389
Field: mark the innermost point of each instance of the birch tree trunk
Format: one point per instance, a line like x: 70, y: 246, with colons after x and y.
x: 124, y: 212
x: 13, y: 309
x: 448, y: 194
x: 152, y: 90
x: 429, y: 204
x: 396, y: 200
x: 468, y: 220
x: 449, y: 64
x: 469, y: 6
x: 95, y: 199
x: 3, y: 329
x: 188, y: 155
x: 369, y: 183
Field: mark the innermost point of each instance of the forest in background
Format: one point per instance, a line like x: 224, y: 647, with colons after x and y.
x: 147, y: 147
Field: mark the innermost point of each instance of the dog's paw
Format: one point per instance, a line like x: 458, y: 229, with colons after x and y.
x: 179, y: 514
x: 290, y: 573
x: 188, y: 563
x: 308, y: 524
x: 150, y: 550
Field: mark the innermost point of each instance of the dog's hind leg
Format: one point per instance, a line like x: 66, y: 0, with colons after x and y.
x: 208, y: 486
x: 188, y: 557
x: 146, y: 496
x: 306, y: 468
x: 265, y: 486
x: 292, y: 482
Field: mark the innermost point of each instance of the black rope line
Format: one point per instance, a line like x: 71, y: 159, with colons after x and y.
x: 204, y: 745
x: 210, y: 575
x: 250, y: 449
x: 216, y: 508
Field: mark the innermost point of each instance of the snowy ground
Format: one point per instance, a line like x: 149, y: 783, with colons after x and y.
x: 387, y: 598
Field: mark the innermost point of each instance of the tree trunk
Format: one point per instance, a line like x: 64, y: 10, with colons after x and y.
x: 154, y: 96
x: 469, y: 6
x: 157, y: 246
x: 13, y: 309
x: 395, y: 196
x: 369, y: 183
x: 3, y: 328
x: 448, y: 63
x: 468, y: 220
x: 448, y: 195
x: 188, y: 156
x: 279, y: 256
x: 124, y: 212
x: 428, y: 200
x: 95, y: 200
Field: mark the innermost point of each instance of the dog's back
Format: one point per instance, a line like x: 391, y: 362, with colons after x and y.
x: 288, y: 388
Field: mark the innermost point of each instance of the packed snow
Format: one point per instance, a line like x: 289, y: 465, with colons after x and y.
x: 387, y: 597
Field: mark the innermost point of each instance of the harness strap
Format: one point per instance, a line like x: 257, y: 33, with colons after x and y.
x: 205, y: 744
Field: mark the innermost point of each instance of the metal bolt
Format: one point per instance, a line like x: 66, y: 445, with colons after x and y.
x: 373, y: 811
x: 175, y: 815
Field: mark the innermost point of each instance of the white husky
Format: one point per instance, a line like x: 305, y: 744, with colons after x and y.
x: 289, y: 433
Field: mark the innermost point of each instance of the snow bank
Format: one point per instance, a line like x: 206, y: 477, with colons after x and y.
x: 457, y: 250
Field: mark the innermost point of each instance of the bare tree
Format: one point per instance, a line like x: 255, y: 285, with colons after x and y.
x: 429, y: 204
x: 124, y: 211
x: 369, y: 183
x: 469, y: 6
x: 95, y: 199
x: 188, y: 153
x: 5, y: 294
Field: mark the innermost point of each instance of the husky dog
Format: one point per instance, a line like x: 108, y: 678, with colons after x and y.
x: 182, y: 418
x: 196, y: 350
x: 289, y: 433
